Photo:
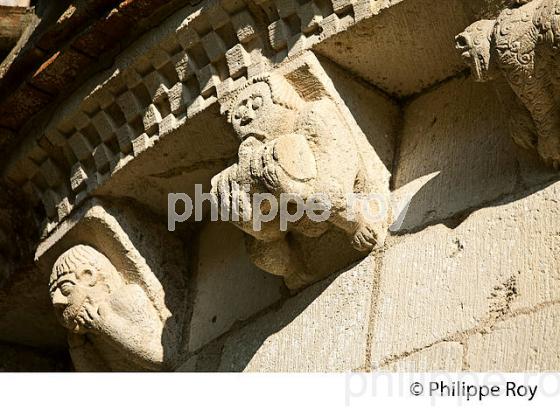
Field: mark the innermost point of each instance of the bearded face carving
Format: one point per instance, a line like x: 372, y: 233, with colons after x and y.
x: 301, y: 148
x: 112, y: 324
x: 521, y: 45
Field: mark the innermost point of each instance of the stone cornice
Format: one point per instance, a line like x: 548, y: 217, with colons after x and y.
x: 166, y: 77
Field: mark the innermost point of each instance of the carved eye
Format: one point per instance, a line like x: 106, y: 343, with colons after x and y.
x: 257, y: 103
x: 237, y: 115
x: 66, y: 288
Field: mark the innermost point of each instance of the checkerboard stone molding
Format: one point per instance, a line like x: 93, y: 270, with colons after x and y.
x: 168, y: 76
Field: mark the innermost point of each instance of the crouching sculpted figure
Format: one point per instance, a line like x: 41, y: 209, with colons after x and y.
x: 305, y: 149
x: 522, y: 45
x: 112, y: 324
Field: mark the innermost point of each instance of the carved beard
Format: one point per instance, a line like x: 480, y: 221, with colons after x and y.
x: 76, y: 301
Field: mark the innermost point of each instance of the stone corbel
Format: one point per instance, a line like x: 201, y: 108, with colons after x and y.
x: 521, y: 47
x: 299, y: 138
x: 117, y: 286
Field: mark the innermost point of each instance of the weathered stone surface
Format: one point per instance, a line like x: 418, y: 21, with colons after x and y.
x: 478, y: 291
x: 442, y: 357
x: 405, y: 48
x: 526, y: 343
x: 324, y: 328
x: 520, y: 45
x: 298, y: 139
x: 117, y: 284
x: 377, y: 115
x: 112, y: 324
x: 500, y: 259
x: 458, y: 132
x: 229, y: 288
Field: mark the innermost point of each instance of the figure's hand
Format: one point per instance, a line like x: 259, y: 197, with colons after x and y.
x: 287, y: 165
x: 89, y: 318
x: 230, y: 194
x: 367, y: 237
x: 270, y: 169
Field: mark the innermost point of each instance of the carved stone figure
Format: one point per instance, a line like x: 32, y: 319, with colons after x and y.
x: 522, y: 45
x: 112, y: 324
x: 305, y: 148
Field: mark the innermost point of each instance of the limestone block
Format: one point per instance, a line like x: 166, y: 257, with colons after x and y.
x: 245, y: 26
x: 442, y: 357
x: 184, y: 65
x: 525, y: 343
x: 158, y: 57
x: 403, y: 49
x: 104, y: 125
x: 377, y: 115
x: 51, y: 172
x: 214, y: 46
x: 441, y: 282
x: 458, y: 131
x: 322, y: 329
x: 155, y: 82
x: 102, y: 156
x: 237, y: 60
x: 208, y: 78
x: 229, y: 288
x: 179, y: 97
x: 78, y: 177
x: 80, y: 145
x: 286, y: 8
x: 278, y: 33
x: 129, y: 105
x: 187, y: 37
x: 310, y: 16
x: 125, y: 136
x: 151, y: 119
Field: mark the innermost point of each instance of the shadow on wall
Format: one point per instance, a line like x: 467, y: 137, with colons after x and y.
x: 240, y: 349
x: 456, y: 156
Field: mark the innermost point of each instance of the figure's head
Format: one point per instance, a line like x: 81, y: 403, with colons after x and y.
x: 475, y: 47
x: 265, y: 108
x: 80, y: 274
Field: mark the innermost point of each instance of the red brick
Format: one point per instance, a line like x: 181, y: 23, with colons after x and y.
x: 22, y: 104
x: 138, y: 9
x: 60, y: 70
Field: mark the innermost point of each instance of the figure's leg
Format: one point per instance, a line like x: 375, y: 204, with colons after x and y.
x: 279, y: 258
x: 364, y: 218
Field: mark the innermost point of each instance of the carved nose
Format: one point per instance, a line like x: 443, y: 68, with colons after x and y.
x: 248, y: 117
x: 59, y: 301
x: 462, y: 42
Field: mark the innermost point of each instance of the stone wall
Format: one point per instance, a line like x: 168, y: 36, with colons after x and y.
x: 466, y: 279
x: 468, y: 283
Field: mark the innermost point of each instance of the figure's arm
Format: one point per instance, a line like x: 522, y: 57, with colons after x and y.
x: 135, y: 331
x: 286, y: 165
x: 230, y: 192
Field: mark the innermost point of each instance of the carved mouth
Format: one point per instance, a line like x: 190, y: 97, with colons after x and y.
x: 245, y: 121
